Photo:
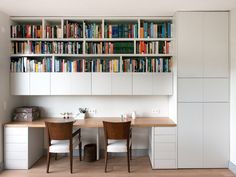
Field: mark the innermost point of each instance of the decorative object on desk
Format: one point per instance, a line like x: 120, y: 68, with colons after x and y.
x: 82, y: 113
x: 66, y: 115
x: 26, y: 113
x: 133, y: 115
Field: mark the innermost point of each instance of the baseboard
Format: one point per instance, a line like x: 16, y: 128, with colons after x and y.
x: 232, y: 167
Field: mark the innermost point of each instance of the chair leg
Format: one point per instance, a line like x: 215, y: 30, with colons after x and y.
x: 71, y: 161
x: 130, y: 152
x: 55, y: 156
x: 80, y: 151
x: 48, y: 160
x: 128, y: 160
x: 106, y: 159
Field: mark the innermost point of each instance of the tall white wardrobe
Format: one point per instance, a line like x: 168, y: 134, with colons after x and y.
x: 203, y: 89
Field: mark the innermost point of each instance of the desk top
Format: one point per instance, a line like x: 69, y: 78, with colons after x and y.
x: 96, y: 122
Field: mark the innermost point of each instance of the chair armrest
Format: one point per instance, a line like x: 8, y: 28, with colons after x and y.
x: 77, y: 132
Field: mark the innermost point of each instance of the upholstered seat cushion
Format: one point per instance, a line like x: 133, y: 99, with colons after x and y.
x: 117, y: 146
x: 62, y: 146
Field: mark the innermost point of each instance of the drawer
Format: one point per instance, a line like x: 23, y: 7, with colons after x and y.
x: 16, y: 139
x: 165, y: 130
x: 16, y: 155
x: 165, y: 147
x: 13, y: 147
x: 165, y: 155
x: 165, y: 164
x: 16, y: 164
x: 16, y: 131
x: 165, y: 138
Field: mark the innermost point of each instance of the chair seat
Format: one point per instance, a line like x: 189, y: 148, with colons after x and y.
x: 62, y: 146
x: 117, y: 146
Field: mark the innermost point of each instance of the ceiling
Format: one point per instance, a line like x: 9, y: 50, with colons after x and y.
x: 109, y: 7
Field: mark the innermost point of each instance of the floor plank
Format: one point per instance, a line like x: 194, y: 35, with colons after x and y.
x: 117, y: 167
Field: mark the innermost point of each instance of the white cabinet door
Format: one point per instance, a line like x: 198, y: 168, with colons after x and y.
x: 40, y: 83
x: 190, y: 135
x: 81, y: 83
x: 60, y: 84
x: 121, y: 84
x: 190, y: 90
x: 162, y: 83
x: 216, y: 90
x: 20, y: 84
x: 189, y: 42
x: 142, y: 83
x: 215, y: 45
x: 216, y: 135
x: 101, y: 83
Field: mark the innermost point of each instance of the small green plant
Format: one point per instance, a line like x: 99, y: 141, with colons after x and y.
x: 83, y: 110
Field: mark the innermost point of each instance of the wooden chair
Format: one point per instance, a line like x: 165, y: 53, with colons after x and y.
x: 118, y: 139
x: 62, y: 140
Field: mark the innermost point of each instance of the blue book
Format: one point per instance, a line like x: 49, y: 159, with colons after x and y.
x: 163, y: 30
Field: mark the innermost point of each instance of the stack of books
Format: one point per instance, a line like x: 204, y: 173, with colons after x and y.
x: 121, y: 31
x: 53, y: 31
x: 26, y: 31
x: 73, y: 29
x: 93, y: 30
x: 106, y: 65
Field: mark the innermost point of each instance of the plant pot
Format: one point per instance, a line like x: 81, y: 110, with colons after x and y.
x: 81, y: 116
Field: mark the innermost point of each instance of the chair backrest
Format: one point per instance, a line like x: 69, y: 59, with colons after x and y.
x: 59, y: 130
x: 116, y: 130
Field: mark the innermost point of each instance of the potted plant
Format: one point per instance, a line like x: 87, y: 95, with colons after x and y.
x: 82, y: 113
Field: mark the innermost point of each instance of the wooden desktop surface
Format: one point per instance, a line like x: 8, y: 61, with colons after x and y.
x: 96, y: 122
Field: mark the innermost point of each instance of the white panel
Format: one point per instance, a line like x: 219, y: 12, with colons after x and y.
x: 165, y: 155
x: 165, y: 147
x: 14, y: 147
x: 16, y: 155
x: 190, y: 135
x: 40, y: 83
x: 60, y: 84
x: 189, y: 42
x: 101, y: 83
x: 165, y: 138
x: 20, y: 84
x: 142, y: 83
x: 216, y: 135
x: 121, y: 84
x: 165, y: 164
x: 190, y: 90
x: 16, y: 131
x: 215, y: 46
x: 16, y: 164
x: 81, y: 83
x: 216, y: 90
x: 162, y: 83
x: 16, y: 139
x: 165, y: 130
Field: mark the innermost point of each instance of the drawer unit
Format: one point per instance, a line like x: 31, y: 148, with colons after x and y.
x: 163, y: 147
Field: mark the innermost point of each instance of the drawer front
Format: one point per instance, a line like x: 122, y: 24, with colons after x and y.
x: 16, y: 164
x: 13, y: 147
x: 16, y: 139
x: 16, y: 155
x: 165, y: 130
x: 165, y: 164
x: 165, y: 138
x: 13, y: 131
x: 165, y: 147
x: 165, y: 155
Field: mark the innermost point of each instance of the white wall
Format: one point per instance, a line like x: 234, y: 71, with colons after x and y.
x: 6, y: 101
x: 233, y: 87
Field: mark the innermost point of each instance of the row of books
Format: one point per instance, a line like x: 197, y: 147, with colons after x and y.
x: 106, y: 65
x: 109, y: 48
x: 26, y: 31
x: 93, y: 30
x: 72, y: 65
x: 155, y: 47
x: 155, y: 30
x: 38, y: 47
x: 121, y: 31
x: 25, y: 64
x: 147, y: 65
x: 53, y: 31
x: 73, y: 29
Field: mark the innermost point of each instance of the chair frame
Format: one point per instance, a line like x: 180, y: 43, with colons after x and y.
x: 66, y: 134
x: 118, y: 131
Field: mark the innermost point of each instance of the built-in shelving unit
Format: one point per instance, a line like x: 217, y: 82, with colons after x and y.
x: 63, y: 44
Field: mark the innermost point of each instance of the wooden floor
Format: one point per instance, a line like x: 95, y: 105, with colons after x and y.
x: 117, y: 167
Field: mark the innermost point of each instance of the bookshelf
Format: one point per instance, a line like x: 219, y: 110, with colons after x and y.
x: 108, y: 51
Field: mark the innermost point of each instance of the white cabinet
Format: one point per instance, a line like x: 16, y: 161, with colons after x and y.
x: 142, y: 83
x: 40, y: 83
x: 215, y: 45
x: 121, y: 84
x: 162, y: 83
x: 189, y: 42
x: 190, y: 90
x: 20, y: 84
x: 163, y: 147
x: 23, y: 147
x: 60, y: 84
x: 81, y: 83
x: 216, y: 135
x: 101, y: 83
x: 190, y: 135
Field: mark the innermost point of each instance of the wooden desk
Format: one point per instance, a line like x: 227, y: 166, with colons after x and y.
x: 27, y: 132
